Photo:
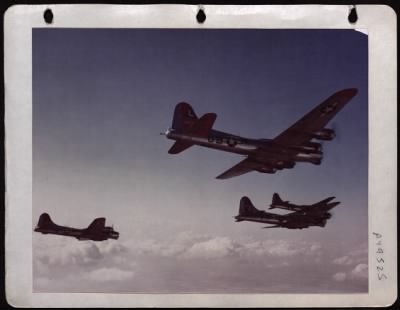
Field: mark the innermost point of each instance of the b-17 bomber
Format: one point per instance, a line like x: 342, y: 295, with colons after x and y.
x: 322, y: 206
x: 263, y: 155
x: 96, y: 231
x: 294, y: 220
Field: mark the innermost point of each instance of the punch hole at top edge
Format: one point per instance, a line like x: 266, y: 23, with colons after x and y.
x: 353, y: 17
x: 201, y: 16
x: 48, y: 16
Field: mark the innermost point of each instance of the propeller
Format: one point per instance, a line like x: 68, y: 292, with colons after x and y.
x: 335, y: 129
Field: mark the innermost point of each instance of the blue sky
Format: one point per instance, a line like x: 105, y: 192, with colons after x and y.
x: 102, y: 96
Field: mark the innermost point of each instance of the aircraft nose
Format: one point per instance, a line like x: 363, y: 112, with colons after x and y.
x: 115, y: 235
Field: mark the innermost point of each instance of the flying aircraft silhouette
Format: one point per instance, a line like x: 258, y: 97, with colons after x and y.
x: 318, y: 207
x: 263, y: 155
x: 294, y: 220
x: 96, y: 231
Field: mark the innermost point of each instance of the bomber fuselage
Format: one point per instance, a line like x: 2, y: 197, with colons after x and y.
x: 256, y: 148
x: 291, y: 221
x: 319, y: 208
x: 81, y: 234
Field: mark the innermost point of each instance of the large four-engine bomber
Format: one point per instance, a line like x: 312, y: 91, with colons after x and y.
x: 293, y: 145
x: 302, y: 216
x: 96, y: 231
x: 263, y: 155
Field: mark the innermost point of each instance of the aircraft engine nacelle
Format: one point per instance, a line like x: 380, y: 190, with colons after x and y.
x: 266, y: 169
x: 312, y: 147
x: 325, y: 134
x: 285, y: 164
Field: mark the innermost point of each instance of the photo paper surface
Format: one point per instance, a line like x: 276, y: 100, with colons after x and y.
x: 219, y: 161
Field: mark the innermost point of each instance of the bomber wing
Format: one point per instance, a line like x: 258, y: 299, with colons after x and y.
x: 324, y: 201
x: 297, y: 135
x: 245, y: 166
x: 300, y: 132
x: 241, y: 168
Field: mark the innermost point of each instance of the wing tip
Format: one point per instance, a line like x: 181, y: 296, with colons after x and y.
x: 348, y: 92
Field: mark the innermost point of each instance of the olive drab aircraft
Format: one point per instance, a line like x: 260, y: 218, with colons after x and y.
x: 319, y: 207
x: 294, y: 220
x: 96, y: 231
x: 263, y: 155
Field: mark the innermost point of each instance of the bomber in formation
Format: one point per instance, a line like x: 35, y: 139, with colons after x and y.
x: 293, y: 145
x: 263, y: 155
x: 96, y: 231
x: 301, y: 217
x: 322, y: 206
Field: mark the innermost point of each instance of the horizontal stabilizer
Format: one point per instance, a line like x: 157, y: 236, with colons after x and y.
x: 179, y: 146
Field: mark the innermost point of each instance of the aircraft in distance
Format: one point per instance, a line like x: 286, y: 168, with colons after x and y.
x: 263, y: 155
x: 319, y: 207
x: 96, y: 231
x: 294, y: 220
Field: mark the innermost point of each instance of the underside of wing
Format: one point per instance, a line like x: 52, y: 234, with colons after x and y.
x: 245, y: 166
x: 241, y: 168
x: 309, y: 125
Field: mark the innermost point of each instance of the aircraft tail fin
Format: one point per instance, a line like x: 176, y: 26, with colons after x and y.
x: 184, y: 117
x: 186, y: 120
x: 246, y: 207
x: 45, y: 221
x: 97, y: 225
x: 276, y: 200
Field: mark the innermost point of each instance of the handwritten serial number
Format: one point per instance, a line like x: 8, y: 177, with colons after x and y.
x: 379, y: 256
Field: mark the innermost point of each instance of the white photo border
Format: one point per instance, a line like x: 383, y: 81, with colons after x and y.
x: 378, y: 21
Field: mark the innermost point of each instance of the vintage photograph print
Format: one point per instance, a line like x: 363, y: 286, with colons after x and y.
x: 199, y: 160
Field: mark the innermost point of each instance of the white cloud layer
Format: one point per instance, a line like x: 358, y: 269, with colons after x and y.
x: 340, y: 276
x: 109, y: 274
x: 191, y: 262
